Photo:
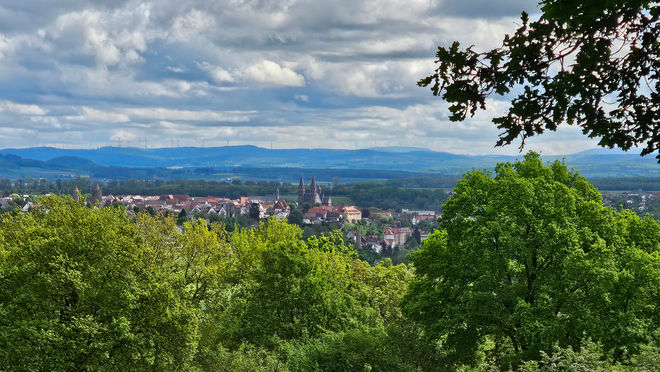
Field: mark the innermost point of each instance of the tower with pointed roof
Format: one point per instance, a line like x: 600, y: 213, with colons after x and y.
x: 301, y: 191
x: 312, y: 192
x: 312, y: 196
x: 97, y: 193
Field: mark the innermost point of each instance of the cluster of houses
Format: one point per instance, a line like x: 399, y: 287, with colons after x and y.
x: 630, y: 200
x: 263, y: 207
x: 394, y: 237
x: 7, y: 202
x: 256, y: 207
x: 331, y: 214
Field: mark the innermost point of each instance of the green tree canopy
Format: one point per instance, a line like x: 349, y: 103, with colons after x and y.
x: 591, y: 63
x: 82, y: 289
x: 531, y: 257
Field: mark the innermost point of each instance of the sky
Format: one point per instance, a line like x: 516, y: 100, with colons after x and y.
x: 271, y: 73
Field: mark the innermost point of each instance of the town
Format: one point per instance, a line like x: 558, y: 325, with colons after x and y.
x: 375, y: 233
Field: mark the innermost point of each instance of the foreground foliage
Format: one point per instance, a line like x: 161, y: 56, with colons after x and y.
x: 590, y: 63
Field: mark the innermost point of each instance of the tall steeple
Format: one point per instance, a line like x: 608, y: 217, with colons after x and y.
x: 301, y: 191
x: 97, y: 193
x: 277, y: 193
x: 312, y: 192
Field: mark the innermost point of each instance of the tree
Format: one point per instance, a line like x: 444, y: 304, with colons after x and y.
x: 83, y: 290
x: 295, y: 217
x: 366, y: 212
x: 281, y: 288
x: 182, y: 217
x: 254, y: 211
x: 530, y: 258
x: 595, y: 64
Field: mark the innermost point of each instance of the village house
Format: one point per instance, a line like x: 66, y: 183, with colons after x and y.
x: 318, y: 214
x: 397, y: 236
x: 280, y: 210
x: 351, y: 214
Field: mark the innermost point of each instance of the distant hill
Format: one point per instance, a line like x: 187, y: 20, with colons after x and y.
x: 214, y: 162
x: 72, y: 162
x: 399, y: 149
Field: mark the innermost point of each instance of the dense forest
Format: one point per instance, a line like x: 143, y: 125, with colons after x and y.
x: 529, y: 271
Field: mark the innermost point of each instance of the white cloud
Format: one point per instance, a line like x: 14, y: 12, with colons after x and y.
x: 123, y: 135
x: 94, y: 115
x: 111, y: 38
x: 269, y: 72
x: 161, y: 113
x: 191, y: 25
x: 20, y: 108
x: 220, y: 75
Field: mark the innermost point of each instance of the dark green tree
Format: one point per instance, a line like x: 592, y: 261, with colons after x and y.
x: 592, y: 63
x: 182, y: 217
x: 531, y: 257
x: 295, y: 217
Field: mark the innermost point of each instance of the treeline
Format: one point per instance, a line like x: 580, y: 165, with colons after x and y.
x: 439, y: 182
x: 602, y: 183
x: 389, y: 197
x: 232, y: 190
x: 627, y: 183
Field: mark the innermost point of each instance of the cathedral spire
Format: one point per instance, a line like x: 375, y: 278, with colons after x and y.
x: 301, y: 191
x: 313, y: 192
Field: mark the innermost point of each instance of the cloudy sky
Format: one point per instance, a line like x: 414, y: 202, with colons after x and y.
x: 286, y: 73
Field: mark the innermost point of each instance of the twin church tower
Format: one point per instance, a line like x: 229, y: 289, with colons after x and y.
x: 313, y: 195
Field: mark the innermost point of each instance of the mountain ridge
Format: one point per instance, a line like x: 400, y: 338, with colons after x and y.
x: 111, y: 160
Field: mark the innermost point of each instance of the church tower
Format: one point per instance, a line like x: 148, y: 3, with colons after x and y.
x: 312, y: 192
x: 97, y: 193
x: 301, y: 192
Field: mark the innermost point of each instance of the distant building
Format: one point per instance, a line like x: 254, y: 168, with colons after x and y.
x: 317, y: 214
x: 396, y: 237
x: 227, y: 208
x: 97, y: 193
x: 280, y: 210
x: 313, y: 195
x: 352, y: 214
x: 75, y: 194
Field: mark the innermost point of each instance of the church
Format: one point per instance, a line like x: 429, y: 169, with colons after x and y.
x: 313, y: 195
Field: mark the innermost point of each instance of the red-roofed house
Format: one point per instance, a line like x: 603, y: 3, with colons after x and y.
x: 397, y: 235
